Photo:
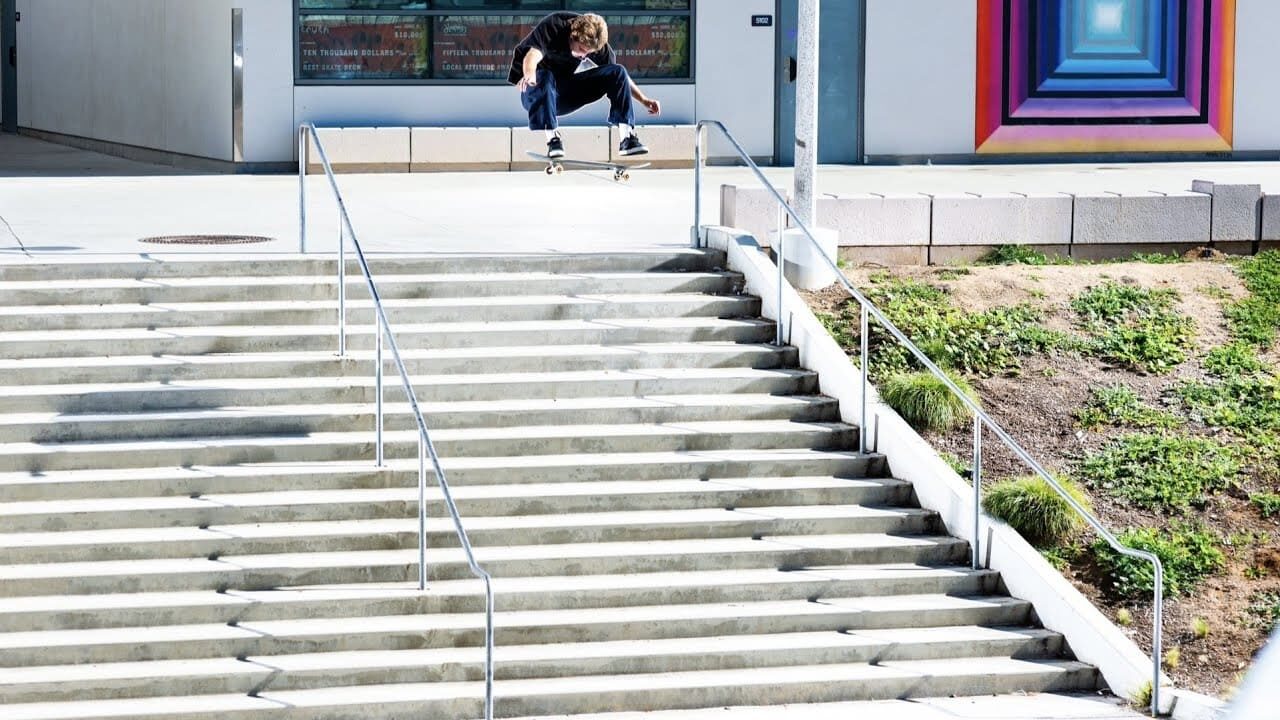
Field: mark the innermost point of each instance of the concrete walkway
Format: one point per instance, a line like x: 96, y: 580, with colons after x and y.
x: 57, y: 200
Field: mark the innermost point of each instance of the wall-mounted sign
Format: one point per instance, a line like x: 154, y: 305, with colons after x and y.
x: 761, y: 21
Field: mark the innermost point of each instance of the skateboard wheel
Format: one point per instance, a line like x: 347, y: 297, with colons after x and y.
x: 551, y: 170
x: 559, y: 169
x: 626, y: 177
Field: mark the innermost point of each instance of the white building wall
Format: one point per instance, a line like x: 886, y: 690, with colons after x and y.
x: 736, y: 66
x: 1257, y: 107
x: 156, y: 74
x: 921, y: 68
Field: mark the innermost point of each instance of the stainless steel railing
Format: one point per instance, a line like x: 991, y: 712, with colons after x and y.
x: 980, y: 419
x: 383, y: 333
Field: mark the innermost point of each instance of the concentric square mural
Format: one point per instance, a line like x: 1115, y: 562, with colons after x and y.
x: 1061, y: 76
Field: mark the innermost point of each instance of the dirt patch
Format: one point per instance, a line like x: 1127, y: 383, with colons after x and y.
x: 1037, y: 407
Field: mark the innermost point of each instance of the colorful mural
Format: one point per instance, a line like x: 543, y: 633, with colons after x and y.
x: 1062, y: 76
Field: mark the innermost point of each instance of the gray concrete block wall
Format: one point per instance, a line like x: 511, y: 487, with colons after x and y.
x: 1148, y: 218
x: 1237, y: 210
x: 967, y: 226
x: 1270, y: 218
x: 751, y: 209
x: 962, y: 227
x: 889, y: 229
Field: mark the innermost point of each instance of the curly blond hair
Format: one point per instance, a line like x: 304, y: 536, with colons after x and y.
x: 590, y: 30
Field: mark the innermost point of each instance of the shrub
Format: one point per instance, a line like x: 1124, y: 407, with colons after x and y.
x: 1188, y: 553
x: 1162, y: 473
x: 925, y: 401
x: 1035, y: 509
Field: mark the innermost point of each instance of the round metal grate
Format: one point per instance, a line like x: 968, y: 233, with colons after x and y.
x: 205, y: 239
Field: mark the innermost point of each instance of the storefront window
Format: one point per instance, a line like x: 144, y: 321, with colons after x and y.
x: 426, y: 41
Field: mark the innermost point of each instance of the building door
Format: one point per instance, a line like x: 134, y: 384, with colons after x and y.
x: 840, y: 43
x: 8, y: 67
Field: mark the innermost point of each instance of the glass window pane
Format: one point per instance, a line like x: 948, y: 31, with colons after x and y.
x: 603, y: 6
x: 362, y: 4
x: 651, y: 46
x: 477, y: 46
x: 365, y: 47
x: 497, y: 5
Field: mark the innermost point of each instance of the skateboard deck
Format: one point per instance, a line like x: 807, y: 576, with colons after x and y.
x: 555, y: 166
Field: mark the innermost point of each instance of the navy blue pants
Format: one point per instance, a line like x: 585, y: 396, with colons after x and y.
x: 560, y: 95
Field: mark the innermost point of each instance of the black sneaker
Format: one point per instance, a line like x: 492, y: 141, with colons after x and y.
x: 631, y: 145
x: 555, y: 147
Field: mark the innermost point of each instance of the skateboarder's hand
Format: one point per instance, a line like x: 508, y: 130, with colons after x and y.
x: 653, y: 106
x: 527, y: 82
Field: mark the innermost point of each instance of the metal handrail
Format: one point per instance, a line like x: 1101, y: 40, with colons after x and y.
x: 382, y: 328
x: 981, y: 419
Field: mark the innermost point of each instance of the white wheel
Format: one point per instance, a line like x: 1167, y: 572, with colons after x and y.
x: 626, y: 177
x: 559, y: 168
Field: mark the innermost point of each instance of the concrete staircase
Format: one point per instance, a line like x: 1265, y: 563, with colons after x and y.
x: 191, y: 524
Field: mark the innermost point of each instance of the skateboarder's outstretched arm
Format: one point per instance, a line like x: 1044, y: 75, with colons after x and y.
x: 653, y: 106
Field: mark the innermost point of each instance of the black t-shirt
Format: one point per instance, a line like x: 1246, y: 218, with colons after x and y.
x: 551, y: 36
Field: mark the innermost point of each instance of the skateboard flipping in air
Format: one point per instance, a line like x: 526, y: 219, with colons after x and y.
x: 556, y: 165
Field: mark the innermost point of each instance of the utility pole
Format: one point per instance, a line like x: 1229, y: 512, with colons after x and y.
x: 806, y: 154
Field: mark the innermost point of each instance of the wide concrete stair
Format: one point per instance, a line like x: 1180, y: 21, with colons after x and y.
x: 192, y: 525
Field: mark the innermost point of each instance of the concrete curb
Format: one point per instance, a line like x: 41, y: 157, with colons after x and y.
x: 1025, y: 572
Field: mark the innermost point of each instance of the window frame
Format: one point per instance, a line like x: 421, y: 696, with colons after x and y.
x: 300, y: 81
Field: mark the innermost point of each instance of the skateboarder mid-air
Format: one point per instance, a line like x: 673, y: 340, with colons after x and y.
x: 566, y: 63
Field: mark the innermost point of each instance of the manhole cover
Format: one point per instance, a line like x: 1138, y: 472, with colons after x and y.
x: 205, y: 239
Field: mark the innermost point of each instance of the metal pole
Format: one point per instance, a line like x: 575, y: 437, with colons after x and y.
x: 782, y: 218
x: 977, y: 485
x: 422, y: 512
x: 806, y: 130
x: 302, y: 190
x: 696, y: 230
x: 377, y: 329
x: 863, y: 327
x: 1157, y: 638
x: 342, y: 289
x: 237, y: 85
x: 488, y: 649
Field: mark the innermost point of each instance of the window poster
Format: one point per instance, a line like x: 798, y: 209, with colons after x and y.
x: 363, y: 47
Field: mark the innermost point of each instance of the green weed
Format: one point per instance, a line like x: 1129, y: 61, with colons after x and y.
x: 1014, y: 255
x: 1188, y: 553
x: 1232, y: 360
x: 1256, y: 319
x: 1264, y: 611
x: 1119, y: 405
x: 1157, y: 472
x: 1267, y: 503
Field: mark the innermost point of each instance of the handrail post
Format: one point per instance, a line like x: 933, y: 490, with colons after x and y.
x: 1157, y: 636
x: 696, y: 231
x: 781, y: 253
x: 377, y: 331
x: 977, y: 486
x: 302, y: 190
x: 864, y: 328
x: 342, y: 289
x: 422, y: 512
